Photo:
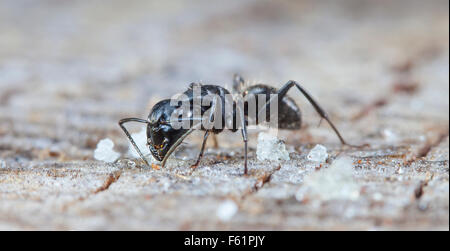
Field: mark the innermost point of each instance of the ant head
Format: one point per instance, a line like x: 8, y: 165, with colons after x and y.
x: 160, y: 133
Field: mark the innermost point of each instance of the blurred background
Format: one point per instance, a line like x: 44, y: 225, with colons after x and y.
x: 69, y: 70
x: 86, y: 64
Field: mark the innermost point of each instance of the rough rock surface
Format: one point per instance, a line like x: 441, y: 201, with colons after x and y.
x: 69, y: 70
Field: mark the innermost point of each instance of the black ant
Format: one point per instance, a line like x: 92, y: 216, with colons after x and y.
x: 163, y: 138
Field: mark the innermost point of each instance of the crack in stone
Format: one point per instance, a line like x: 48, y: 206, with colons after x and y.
x: 418, y: 192
x: 423, y: 151
x: 399, y: 87
x: 260, y: 182
x: 112, y: 177
x: 369, y: 108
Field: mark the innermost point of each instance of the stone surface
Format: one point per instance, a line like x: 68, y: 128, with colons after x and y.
x: 69, y: 70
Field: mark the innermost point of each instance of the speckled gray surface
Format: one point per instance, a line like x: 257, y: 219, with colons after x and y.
x: 70, y: 70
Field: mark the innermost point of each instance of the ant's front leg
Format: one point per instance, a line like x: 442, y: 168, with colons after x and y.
x: 126, y: 120
x: 200, y: 156
x: 207, y: 132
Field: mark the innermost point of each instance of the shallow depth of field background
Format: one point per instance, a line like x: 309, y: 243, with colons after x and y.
x: 69, y: 70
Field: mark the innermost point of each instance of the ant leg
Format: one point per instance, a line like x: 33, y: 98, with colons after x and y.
x: 123, y: 121
x: 180, y: 140
x: 283, y: 91
x: 244, y: 137
x: 200, y: 156
x: 205, y: 138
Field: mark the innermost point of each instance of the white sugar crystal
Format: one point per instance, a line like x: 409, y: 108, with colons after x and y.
x: 318, y: 154
x: 2, y: 164
x: 226, y: 210
x: 105, y: 152
x: 377, y: 197
x: 334, y: 182
x: 389, y: 135
x: 140, y: 139
x: 271, y: 148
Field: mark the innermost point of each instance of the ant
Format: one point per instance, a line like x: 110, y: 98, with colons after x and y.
x: 163, y: 138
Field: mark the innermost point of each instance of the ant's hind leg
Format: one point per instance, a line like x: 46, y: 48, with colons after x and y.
x: 283, y: 91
